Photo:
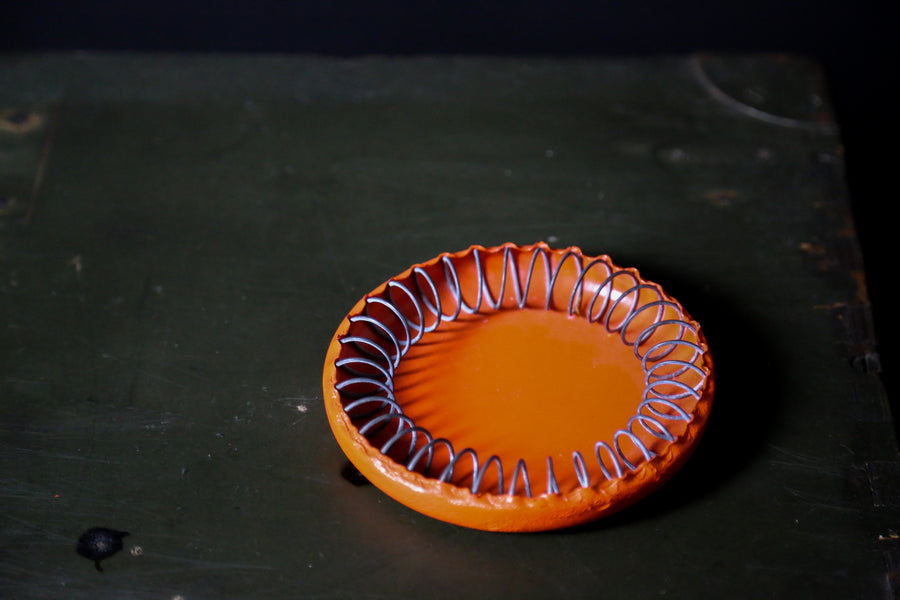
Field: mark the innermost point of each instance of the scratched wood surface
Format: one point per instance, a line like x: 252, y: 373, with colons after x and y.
x: 180, y: 235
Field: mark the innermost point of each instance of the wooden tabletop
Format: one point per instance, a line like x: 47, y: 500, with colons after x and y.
x: 180, y: 235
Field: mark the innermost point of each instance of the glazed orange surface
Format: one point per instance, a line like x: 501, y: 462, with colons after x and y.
x: 519, y: 380
x: 522, y: 384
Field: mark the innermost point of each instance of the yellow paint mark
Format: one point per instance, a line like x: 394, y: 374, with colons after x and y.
x: 77, y: 262
x: 862, y: 292
x: 812, y: 249
x: 829, y: 306
x: 721, y: 197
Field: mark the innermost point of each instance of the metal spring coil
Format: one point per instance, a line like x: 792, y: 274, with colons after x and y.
x: 408, y: 314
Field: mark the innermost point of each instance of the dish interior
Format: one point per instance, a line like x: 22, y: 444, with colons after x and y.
x: 579, y: 373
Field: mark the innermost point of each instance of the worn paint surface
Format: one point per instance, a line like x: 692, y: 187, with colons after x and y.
x: 179, y: 237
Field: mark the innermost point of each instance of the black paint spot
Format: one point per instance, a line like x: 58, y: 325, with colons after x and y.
x: 18, y: 117
x: 98, y: 543
x: 352, y: 474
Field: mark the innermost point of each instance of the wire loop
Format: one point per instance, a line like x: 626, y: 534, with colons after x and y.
x: 668, y: 346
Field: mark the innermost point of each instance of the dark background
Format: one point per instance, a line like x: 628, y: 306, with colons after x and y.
x: 854, y: 41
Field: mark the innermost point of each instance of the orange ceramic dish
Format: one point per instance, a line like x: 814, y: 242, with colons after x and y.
x: 518, y: 388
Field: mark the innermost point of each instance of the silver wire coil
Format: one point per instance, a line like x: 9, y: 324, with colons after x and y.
x: 397, y: 318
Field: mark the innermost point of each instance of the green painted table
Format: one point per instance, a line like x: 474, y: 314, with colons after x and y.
x: 180, y: 236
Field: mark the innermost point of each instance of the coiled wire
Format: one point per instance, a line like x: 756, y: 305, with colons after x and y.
x: 396, y: 319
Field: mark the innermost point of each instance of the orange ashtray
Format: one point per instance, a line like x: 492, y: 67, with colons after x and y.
x: 518, y: 388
